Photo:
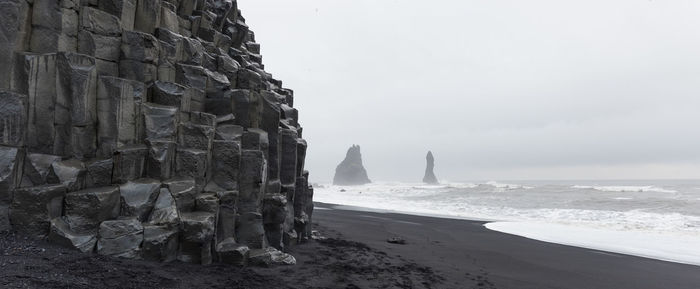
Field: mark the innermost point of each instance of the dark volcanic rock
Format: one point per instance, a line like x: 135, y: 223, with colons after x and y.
x: 429, y: 177
x: 146, y: 128
x: 350, y: 171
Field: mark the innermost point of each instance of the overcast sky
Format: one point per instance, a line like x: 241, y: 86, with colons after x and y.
x: 497, y: 89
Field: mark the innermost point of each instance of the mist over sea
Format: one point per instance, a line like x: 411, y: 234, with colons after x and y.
x: 657, y: 219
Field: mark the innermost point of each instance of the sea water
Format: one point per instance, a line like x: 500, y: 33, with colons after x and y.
x: 654, y: 219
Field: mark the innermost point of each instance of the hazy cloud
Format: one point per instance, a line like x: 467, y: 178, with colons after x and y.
x: 505, y: 89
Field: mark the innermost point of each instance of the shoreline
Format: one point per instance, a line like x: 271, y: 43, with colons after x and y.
x: 456, y: 247
x: 546, y: 232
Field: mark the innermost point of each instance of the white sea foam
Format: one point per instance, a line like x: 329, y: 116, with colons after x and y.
x: 627, y: 213
x: 626, y: 189
x: 674, y: 248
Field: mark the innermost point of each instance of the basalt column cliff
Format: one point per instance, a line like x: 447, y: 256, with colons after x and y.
x: 147, y: 129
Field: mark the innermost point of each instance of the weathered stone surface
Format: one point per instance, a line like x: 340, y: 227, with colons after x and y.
x: 170, y: 90
x: 86, y: 209
x: 120, y: 238
x: 191, y: 76
x: 138, y: 198
x: 226, y: 162
x: 184, y: 192
x: 229, y: 252
x: 33, y: 208
x: 129, y: 163
x: 99, y: 173
x: 251, y: 180
x: 15, y: 20
x: 160, y: 163
x: 99, y: 46
x: 165, y: 211
x: 118, y: 105
x: 350, y: 171
x: 250, y: 231
x: 13, y: 118
x: 76, y: 103
x: 160, y: 121
x: 138, y: 46
x: 245, y: 107
x: 288, y: 156
x: 229, y: 132
x: 192, y: 163
x: 70, y: 173
x: 160, y: 243
x: 270, y: 257
x: 61, y: 233
x: 207, y: 202
x: 36, y: 168
x: 125, y: 10
x: 429, y: 177
x: 192, y: 136
x: 147, y: 16
x: 99, y: 22
x: 197, y: 227
x: 35, y: 76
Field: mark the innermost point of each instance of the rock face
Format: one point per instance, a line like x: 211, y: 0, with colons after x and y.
x: 429, y: 177
x: 350, y: 171
x: 148, y: 129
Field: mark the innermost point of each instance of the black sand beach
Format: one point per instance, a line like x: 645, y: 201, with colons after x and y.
x: 439, y: 253
x: 470, y: 256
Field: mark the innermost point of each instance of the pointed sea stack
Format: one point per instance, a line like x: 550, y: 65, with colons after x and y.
x: 350, y: 171
x: 429, y: 177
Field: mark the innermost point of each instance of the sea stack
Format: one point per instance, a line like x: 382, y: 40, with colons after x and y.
x: 429, y: 177
x: 350, y: 171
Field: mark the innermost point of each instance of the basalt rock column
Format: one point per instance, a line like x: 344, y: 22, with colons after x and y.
x: 429, y: 177
x: 350, y: 171
x: 147, y: 129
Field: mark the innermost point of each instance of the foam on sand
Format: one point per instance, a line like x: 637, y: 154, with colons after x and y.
x: 679, y: 248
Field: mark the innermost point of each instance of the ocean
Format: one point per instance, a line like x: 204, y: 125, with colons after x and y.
x: 654, y: 219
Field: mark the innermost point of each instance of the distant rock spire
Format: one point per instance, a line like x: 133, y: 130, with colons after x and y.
x: 350, y: 171
x: 429, y: 177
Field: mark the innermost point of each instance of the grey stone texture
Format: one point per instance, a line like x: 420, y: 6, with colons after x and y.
x: 350, y: 171
x: 148, y: 129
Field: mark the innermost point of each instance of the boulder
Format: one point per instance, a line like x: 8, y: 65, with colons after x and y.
x: 138, y: 198
x: 86, y: 209
x: 350, y: 171
x: 33, y: 208
x: 229, y: 252
x: 99, y: 173
x: 61, y: 233
x: 120, y: 238
x: 70, y: 173
x: 429, y: 177
x: 160, y: 243
x: 269, y: 256
x: 165, y: 210
x: 197, y: 232
x: 184, y: 192
x: 36, y: 169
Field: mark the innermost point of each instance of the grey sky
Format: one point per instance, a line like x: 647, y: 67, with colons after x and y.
x: 497, y: 89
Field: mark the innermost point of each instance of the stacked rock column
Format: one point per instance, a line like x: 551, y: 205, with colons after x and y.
x: 147, y: 129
